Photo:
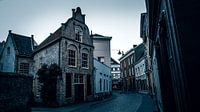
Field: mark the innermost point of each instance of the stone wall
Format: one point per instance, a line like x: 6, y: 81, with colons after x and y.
x: 15, y: 92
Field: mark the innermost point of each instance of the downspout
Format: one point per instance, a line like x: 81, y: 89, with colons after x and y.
x: 59, y: 53
x: 16, y: 64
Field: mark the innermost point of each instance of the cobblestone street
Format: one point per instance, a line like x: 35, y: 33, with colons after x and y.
x: 125, y: 102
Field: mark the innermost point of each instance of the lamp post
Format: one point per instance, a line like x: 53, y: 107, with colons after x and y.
x: 121, y: 80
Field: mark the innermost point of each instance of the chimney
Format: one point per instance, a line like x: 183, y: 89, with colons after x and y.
x: 32, y: 42
x: 91, y: 32
x: 134, y: 46
x: 83, y: 18
x: 122, y: 53
x: 73, y: 13
x: 10, y: 31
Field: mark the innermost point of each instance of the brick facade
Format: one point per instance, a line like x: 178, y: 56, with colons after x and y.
x: 127, y: 70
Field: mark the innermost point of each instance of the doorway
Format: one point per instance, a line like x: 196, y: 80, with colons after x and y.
x: 79, y: 93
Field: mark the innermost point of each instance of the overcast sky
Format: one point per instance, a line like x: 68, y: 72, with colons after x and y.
x: 117, y: 18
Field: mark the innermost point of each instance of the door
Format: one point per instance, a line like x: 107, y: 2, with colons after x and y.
x: 79, y: 93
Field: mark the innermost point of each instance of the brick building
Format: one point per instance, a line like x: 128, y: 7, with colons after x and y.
x: 127, y: 70
x: 71, y: 48
x: 140, y: 69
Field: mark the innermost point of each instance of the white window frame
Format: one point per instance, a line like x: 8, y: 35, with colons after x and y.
x: 85, y: 60
x: 71, y: 58
x: 24, y: 68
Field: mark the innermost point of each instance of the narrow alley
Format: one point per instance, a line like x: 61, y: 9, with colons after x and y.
x: 124, y: 102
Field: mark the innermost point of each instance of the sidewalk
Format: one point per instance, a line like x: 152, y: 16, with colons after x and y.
x: 148, y: 105
x: 71, y: 108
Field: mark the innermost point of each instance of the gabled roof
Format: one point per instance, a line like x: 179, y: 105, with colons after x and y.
x: 76, y: 15
x: 114, y: 62
x: 52, y: 38
x: 101, y: 37
x: 128, y: 53
x: 139, y: 52
x: 23, y: 44
x: 2, y: 45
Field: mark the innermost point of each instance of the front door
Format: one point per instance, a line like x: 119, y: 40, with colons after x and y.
x: 79, y: 93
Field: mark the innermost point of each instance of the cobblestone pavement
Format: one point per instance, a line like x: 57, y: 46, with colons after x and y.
x: 125, y: 102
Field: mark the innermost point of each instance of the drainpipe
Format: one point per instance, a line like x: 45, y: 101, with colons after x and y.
x: 59, y: 53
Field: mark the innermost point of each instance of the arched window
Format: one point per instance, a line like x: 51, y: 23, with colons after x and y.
x: 78, y: 33
x: 85, y: 58
x: 72, y: 55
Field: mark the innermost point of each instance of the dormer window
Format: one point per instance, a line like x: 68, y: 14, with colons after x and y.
x: 78, y: 33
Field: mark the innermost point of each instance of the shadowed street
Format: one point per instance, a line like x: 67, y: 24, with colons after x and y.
x: 125, y: 102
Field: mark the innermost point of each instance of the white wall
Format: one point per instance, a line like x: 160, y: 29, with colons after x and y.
x: 102, y: 72
x: 141, y: 71
x: 102, y: 49
x: 116, y: 73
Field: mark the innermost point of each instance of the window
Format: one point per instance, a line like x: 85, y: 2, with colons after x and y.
x: 84, y: 60
x: 71, y: 58
x: 124, y: 64
x: 24, y: 68
x: 8, y: 50
x: 78, y: 36
x: 101, y: 59
x: 78, y: 78
x: 1, y: 66
x: 78, y: 33
x: 129, y: 61
x: 100, y: 84
x: 130, y: 72
x: 104, y: 85
x: 139, y: 71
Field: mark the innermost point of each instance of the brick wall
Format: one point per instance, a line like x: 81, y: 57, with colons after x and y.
x: 15, y: 92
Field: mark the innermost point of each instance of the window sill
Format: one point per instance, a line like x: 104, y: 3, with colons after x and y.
x: 72, y: 66
x: 84, y: 68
